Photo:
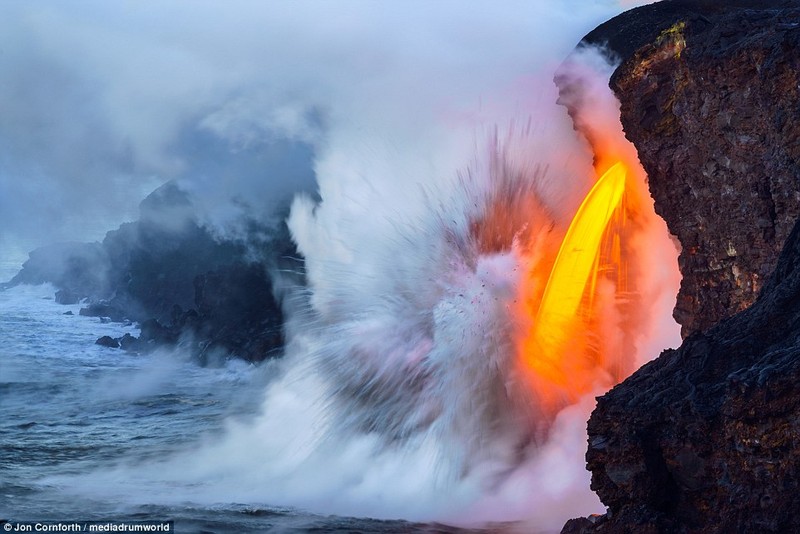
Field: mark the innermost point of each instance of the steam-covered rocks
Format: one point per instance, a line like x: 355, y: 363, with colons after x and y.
x: 181, y: 282
x: 77, y: 269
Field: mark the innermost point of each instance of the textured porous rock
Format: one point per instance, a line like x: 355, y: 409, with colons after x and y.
x: 237, y: 310
x: 712, y: 104
x: 706, y: 438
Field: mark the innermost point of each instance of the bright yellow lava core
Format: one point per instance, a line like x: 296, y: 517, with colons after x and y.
x: 575, y: 265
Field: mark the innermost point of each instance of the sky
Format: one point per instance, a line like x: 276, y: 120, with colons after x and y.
x: 103, y: 101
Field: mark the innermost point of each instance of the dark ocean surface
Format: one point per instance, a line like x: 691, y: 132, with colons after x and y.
x: 70, y: 409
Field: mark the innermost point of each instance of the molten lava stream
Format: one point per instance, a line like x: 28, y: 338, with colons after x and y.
x: 564, y: 351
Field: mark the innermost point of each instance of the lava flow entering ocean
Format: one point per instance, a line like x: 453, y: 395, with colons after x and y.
x: 559, y: 366
x: 582, y: 326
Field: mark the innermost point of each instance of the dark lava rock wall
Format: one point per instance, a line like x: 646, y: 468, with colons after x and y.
x: 706, y: 438
x: 712, y: 104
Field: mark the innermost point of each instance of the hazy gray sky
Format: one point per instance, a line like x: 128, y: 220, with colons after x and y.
x: 102, y: 101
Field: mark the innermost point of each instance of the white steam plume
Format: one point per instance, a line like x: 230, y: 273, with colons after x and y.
x: 102, y: 101
x: 394, y: 101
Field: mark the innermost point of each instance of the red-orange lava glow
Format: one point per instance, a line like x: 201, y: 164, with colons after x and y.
x: 587, y: 300
x: 581, y: 325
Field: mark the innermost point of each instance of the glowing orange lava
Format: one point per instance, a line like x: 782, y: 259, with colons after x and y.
x: 591, y: 284
x: 569, y: 351
x: 574, y: 267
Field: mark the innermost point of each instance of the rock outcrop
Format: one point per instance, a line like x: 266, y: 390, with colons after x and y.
x: 178, y: 281
x: 706, y: 437
x: 712, y: 105
x: 77, y: 269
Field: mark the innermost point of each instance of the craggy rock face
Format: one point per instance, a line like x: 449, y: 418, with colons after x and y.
x: 713, y: 107
x: 706, y: 438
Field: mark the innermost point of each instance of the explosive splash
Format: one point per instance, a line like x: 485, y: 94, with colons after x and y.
x: 443, y: 359
x: 468, y: 347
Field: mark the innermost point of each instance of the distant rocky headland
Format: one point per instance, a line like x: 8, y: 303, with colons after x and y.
x: 181, y: 283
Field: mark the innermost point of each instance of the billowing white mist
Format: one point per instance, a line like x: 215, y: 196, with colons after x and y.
x: 103, y: 101
x: 397, y: 396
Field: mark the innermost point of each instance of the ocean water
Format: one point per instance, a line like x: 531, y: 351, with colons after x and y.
x: 70, y: 409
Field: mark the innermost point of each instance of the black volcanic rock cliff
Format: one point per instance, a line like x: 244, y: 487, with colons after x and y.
x: 712, y: 105
x: 706, y: 437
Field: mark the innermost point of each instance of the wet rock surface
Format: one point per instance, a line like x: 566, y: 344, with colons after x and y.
x: 706, y: 438
x: 108, y: 341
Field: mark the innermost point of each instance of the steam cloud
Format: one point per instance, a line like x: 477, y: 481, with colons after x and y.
x: 103, y: 101
x: 379, y: 110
